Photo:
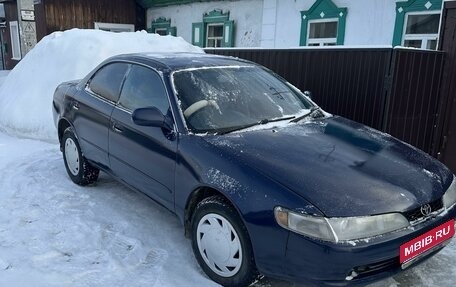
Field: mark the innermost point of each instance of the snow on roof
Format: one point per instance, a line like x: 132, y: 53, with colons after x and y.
x: 26, y: 95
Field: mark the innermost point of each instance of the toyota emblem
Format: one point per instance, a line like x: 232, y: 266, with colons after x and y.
x: 426, y: 209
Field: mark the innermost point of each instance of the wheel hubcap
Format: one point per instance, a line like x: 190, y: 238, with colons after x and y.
x: 219, y: 245
x: 72, y: 156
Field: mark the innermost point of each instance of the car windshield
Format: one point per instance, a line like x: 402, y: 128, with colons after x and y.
x: 224, y: 99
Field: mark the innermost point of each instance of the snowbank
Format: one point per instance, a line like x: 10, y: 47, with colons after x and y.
x: 26, y: 95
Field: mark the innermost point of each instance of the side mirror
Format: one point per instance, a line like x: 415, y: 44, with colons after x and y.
x: 151, y: 117
x: 308, y: 94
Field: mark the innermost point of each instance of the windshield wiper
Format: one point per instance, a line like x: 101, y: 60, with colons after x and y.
x: 261, y: 122
x: 265, y: 121
x: 312, y: 110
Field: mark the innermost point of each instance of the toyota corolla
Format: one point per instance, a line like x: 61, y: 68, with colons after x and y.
x: 262, y: 179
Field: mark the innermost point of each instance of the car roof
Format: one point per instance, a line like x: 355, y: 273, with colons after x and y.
x: 179, y: 61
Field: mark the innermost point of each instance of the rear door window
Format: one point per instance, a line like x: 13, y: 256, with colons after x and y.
x: 144, y: 88
x: 107, y: 81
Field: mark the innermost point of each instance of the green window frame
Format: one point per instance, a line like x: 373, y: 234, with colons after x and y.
x: 163, y: 25
x: 200, y: 30
x: 323, y: 11
x: 412, y: 7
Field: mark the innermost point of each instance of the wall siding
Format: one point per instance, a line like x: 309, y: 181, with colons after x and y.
x: 63, y: 15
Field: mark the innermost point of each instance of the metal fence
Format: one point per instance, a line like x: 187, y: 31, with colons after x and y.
x: 446, y: 126
x: 393, y: 90
x: 413, y: 97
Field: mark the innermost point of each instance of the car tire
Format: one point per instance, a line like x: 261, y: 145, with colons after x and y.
x: 221, y: 243
x: 77, y: 166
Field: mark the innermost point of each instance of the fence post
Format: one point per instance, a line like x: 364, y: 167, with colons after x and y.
x: 387, y: 89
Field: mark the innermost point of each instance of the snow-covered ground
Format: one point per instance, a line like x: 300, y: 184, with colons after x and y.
x: 54, y: 233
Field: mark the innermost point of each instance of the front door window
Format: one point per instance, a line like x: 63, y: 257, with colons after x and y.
x: 143, y: 88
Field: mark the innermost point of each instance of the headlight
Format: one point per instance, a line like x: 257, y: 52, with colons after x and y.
x: 339, y: 228
x: 349, y: 228
x: 449, y: 198
x: 312, y: 226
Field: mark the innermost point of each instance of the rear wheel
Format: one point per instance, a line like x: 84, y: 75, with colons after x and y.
x: 221, y: 243
x: 77, y: 166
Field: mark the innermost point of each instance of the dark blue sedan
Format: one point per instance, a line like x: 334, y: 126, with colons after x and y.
x: 263, y: 180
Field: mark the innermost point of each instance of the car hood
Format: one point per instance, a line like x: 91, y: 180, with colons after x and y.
x: 342, y: 167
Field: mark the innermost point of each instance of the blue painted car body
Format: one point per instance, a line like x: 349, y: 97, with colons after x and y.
x: 329, y: 167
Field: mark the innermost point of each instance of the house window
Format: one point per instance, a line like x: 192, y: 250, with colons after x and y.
x: 215, y: 31
x: 417, y: 24
x: 15, y: 41
x: 421, y: 30
x: 161, y: 31
x: 322, y: 32
x: 114, y: 27
x: 162, y: 27
x: 323, y: 24
x: 214, y: 35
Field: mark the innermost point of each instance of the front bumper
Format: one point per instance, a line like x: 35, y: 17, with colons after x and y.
x: 371, y: 260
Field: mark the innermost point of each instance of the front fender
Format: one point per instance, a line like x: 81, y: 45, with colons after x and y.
x: 202, y: 165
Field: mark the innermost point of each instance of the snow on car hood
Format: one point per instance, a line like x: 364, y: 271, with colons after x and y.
x: 343, y: 168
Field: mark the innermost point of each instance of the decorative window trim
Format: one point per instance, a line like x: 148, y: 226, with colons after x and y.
x: 162, y: 24
x: 216, y: 16
x: 199, y: 29
x: 114, y: 27
x: 323, y: 10
x: 15, y: 41
x: 408, y: 8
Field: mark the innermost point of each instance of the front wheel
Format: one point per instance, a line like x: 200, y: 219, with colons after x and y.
x: 77, y: 166
x: 221, y: 243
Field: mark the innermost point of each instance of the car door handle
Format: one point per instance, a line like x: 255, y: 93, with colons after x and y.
x: 116, y: 128
x: 75, y: 106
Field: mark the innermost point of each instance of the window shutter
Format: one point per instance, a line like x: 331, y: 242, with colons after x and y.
x: 198, y: 34
x: 228, y: 34
x: 171, y: 31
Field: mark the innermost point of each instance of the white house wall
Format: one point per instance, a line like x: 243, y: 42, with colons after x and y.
x: 369, y: 22
x: 247, y: 15
x: 288, y: 23
x: 277, y: 23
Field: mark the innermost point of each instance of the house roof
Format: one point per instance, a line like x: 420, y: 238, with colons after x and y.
x: 159, y: 3
x: 152, y: 3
